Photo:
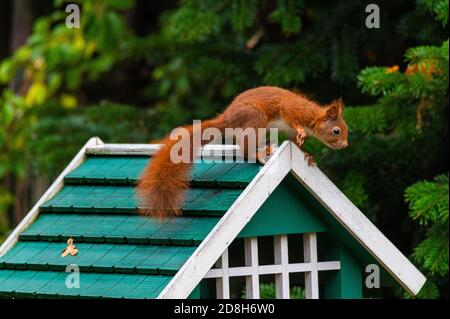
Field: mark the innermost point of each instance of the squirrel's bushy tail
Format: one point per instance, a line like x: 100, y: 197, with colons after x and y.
x: 163, y: 184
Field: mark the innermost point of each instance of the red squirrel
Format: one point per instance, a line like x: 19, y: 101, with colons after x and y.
x: 163, y: 184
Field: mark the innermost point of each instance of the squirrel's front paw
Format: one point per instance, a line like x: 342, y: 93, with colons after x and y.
x: 300, y: 140
x: 310, y: 159
x: 301, y: 136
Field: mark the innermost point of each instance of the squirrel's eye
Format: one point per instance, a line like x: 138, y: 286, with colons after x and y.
x: 336, y: 130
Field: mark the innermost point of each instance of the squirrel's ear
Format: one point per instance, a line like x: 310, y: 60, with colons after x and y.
x: 335, y: 109
x: 332, y: 112
x: 340, y: 102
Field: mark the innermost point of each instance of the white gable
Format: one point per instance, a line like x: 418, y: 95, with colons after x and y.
x: 289, y: 158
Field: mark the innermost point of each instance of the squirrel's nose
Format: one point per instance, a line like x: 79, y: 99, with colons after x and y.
x: 344, y: 144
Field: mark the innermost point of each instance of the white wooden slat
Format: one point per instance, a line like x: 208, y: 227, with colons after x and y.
x: 328, y: 265
x: 357, y: 224
x: 310, y: 256
x: 223, y: 282
x: 251, y: 259
x: 232, y: 272
x: 274, y: 269
x: 230, y: 225
x: 123, y: 149
x: 281, y: 257
x: 51, y: 191
x: 231, y: 153
x: 210, y: 151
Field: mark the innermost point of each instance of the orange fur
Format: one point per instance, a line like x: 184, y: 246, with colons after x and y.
x: 163, y: 184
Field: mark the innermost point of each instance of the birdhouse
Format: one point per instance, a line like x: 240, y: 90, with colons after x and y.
x: 244, y: 226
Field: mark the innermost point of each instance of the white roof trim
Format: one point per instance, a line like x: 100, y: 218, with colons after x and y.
x: 207, y: 151
x: 123, y: 149
x: 286, y: 159
x: 357, y: 224
x: 51, y: 191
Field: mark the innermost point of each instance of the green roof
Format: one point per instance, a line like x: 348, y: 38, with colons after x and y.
x: 121, y: 254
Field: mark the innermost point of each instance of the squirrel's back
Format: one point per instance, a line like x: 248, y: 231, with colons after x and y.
x: 164, y: 181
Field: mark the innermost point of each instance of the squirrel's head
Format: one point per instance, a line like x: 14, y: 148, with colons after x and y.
x: 330, y: 126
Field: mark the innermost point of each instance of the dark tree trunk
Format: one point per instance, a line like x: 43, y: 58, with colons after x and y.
x: 21, y: 23
x: 20, y: 29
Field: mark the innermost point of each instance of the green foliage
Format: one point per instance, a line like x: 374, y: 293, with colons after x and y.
x: 61, y: 133
x: 55, y: 59
x: 439, y: 8
x: 190, y: 24
x: 54, y: 62
x: 288, y: 14
x: 15, y: 122
x: 50, y: 68
x: 421, y: 94
x: 376, y: 81
x: 353, y: 186
x: 428, y: 203
x: 268, y: 291
x: 366, y: 119
x: 243, y: 14
x: 416, y: 81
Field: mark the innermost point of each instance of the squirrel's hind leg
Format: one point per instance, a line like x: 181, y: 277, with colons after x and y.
x: 253, y: 119
x: 265, y: 153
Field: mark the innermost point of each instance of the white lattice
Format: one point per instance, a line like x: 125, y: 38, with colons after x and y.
x: 281, y: 268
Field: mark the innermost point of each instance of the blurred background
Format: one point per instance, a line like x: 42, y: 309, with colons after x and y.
x: 136, y: 69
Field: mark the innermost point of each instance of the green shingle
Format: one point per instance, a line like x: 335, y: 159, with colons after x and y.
x: 132, y: 229
x: 117, y: 169
x: 241, y: 174
x: 36, y: 282
x: 50, y: 283
x: 124, y: 286
x: 16, y: 280
x: 212, y: 201
x: 212, y: 174
x: 57, y: 286
x: 102, y: 285
x: 200, y: 168
x: 120, y: 170
x: 23, y: 252
x: 99, y: 257
x: 5, y: 274
x: 123, y: 199
x: 150, y: 287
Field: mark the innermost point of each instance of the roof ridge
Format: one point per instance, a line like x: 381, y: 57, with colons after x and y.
x: 210, y: 151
